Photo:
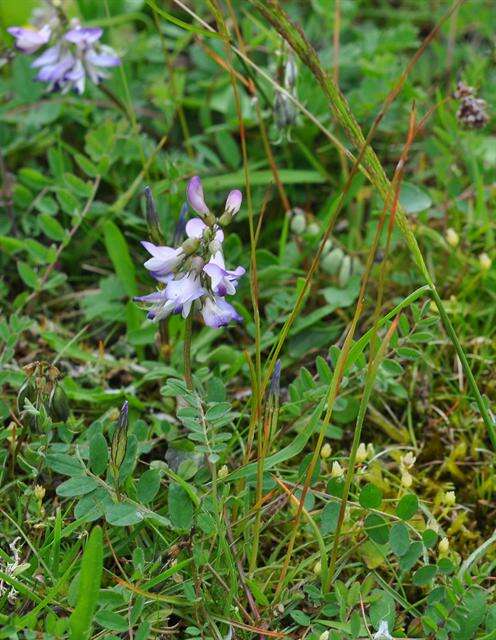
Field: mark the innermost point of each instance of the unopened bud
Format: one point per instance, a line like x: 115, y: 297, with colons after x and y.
x: 26, y: 392
x: 444, y: 546
x: 313, y: 229
x: 370, y: 450
x: 317, y: 568
x: 452, y: 238
x: 180, y: 229
x: 152, y: 220
x: 327, y: 246
x: 290, y: 74
x: 58, y: 405
x: 326, y: 451
x: 361, y: 454
x: 485, y: 262
x: 408, y: 460
x: 337, y: 470
x: 275, y: 382
x: 223, y: 471
x: 298, y: 222
x: 190, y: 245
x: 449, y: 498
x: 332, y: 261
x: 39, y: 492
x: 324, y: 635
x: 406, y: 479
x: 118, y: 445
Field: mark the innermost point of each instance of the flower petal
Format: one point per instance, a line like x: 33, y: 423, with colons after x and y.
x: 233, y: 202
x: 195, y: 228
x: 194, y: 193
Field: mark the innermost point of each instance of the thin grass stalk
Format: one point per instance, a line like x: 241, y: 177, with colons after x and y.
x: 350, y: 472
x: 332, y: 393
x: 279, y: 19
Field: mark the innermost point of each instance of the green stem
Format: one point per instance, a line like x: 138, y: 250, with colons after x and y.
x: 292, y: 34
x: 188, y: 331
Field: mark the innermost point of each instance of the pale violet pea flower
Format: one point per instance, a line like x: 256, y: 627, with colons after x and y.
x: 194, y: 194
x: 53, y: 66
x: 29, y: 39
x: 177, y: 297
x: 84, y: 36
x: 184, y: 291
x: 383, y: 632
x: 223, y: 281
x: 233, y: 202
x: 164, y: 260
x: 195, y: 228
x: 218, y: 313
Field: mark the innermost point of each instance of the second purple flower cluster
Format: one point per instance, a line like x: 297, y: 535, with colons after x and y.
x: 73, y: 56
x: 195, y: 274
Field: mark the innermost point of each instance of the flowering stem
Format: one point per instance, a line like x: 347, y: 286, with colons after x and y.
x: 188, y: 330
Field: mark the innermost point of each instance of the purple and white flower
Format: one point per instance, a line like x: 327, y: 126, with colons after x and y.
x: 164, y: 260
x: 73, y: 56
x: 194, y: 193
x: 177, y: 297
x: 223, y: 281
x: 216, y: 312
x: 233, y: 202
x: 29, y: 39
x: 195, y: 274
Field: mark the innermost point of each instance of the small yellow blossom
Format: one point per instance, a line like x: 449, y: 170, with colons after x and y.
x: 39, y: 492
x: 449, y: 498
x: 444, y: 546
x: 337, y: 470
x: 326, y: 451
x: 408, y: 460
x: 485, y: 261
x: 406, y: 479
x: 317, y: 568
x: 223, y: 471
x: 362, y: 453
x: 452, y: 238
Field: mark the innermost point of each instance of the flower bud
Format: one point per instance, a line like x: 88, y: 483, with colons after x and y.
x: 408, y: 460
x: 180, y: 229
x: 290, y: 74
x: 39, y: 492
x: 444, y: 546
x: 285, y: 113
x: 361, y: 454
x: 332, y: 261
x: 326, y: 451
x: 118, y: 445
x: 452, y: 238
x: 345, y: 271
x: 317, y: 568
x: 337, y: 470
x: 26, y: 392
x: 370, y: 450
x: 223, y: 471
x: 58, y: 406
x: 152, y: 220
x: 313, y: 229
x: 190, y: 245
x: 324, y: 635
x: 449, y: 498
x: 406, y: 479
x: 485, y: 262
x: 327, y: 246
x: 298, y: 222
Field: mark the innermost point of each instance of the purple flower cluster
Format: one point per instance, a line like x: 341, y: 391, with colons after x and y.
x: 73, y: 56
x: 195, y: 274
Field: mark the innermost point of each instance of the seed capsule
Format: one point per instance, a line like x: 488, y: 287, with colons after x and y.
x: 58, y: 405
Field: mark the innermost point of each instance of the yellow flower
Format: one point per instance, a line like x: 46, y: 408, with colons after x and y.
x: 361, y: 454
x: 444, y: 546
x: 452, y: 238
x: 449, y: 498
x: 326, y: 451
x: 337, y: 470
